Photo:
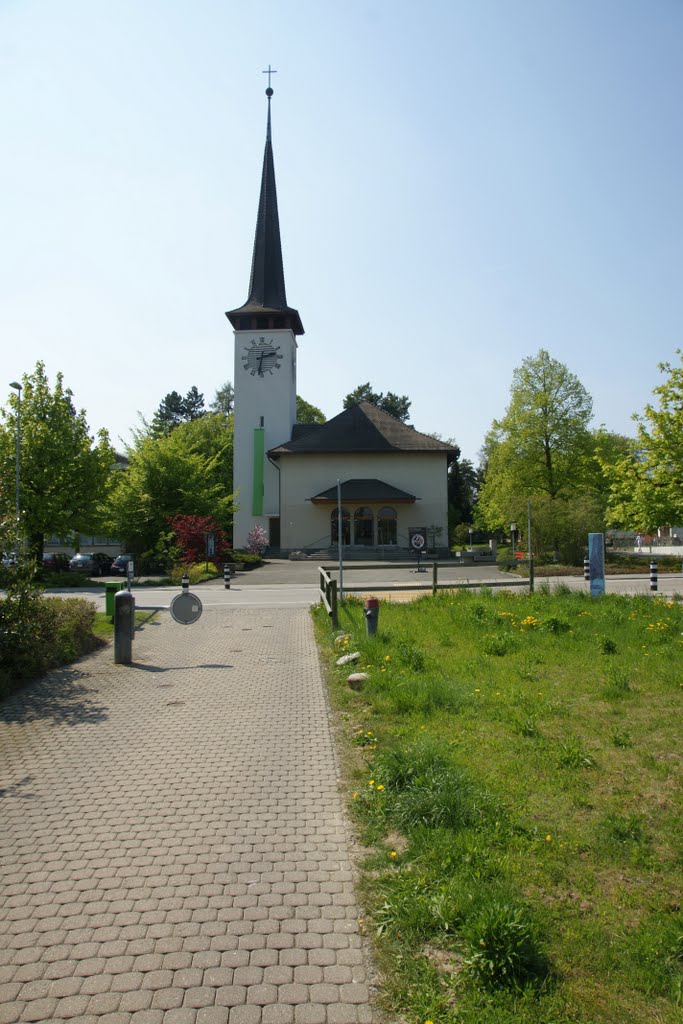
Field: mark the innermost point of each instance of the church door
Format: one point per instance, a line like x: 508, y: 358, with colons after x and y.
x: 363, y: 522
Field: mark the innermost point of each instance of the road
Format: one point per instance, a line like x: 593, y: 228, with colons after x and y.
x: 295, y: 585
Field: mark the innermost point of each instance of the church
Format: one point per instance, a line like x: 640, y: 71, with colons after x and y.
x: 364, y: 472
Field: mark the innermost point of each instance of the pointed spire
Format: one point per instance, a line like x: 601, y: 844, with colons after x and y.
x: 267, y: 299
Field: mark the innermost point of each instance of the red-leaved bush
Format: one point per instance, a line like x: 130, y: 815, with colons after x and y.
x: 191, y: 533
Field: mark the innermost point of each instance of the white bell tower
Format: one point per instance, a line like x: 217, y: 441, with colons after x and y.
x: 264, y: 380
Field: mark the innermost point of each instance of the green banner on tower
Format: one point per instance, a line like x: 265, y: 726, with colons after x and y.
x: 259, y: 463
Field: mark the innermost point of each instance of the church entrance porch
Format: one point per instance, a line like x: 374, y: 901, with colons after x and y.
x: 370, y: 528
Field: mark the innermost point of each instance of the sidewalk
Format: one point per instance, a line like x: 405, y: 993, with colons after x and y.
x: 172, y: 843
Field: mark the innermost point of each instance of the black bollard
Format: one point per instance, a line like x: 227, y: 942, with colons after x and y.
x: 587, y: 569
x: 371, y: 616
x: 653, y: 576
x: 185, y: 583
x: 124, y: 627
x: 226, y: 575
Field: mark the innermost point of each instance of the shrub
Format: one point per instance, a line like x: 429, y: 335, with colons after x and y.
x: 191, y: 533
x: 257, y: 540
x: 38, y: 633
x: 248, y: 560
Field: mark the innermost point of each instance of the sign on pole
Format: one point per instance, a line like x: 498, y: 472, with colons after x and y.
x: 186, y: 608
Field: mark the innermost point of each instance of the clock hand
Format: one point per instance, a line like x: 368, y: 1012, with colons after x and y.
x: 260, y: 363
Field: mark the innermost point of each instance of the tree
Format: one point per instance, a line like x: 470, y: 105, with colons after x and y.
x: 541, y: 449
x: 174, y: 410
x: 463, y: 486
x: 65, y: 472
x: 395, y: 405
x: 224, y: 399
x: 190, y: 533
x: 646, y: 483
x: 307, y: 413
x: 188, y: 471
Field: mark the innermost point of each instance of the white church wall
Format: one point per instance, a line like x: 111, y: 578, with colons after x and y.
x: 305, y: 525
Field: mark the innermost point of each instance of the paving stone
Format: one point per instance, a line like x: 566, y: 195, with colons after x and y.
x: 310, y: 1013
x: 245, y: 1015
x: 279, y: 1013
x: 174, y: 849
x: 231, y: 995
x: 213, y: 1015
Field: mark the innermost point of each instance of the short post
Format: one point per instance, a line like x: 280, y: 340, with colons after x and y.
x: 334, y: 615
x: 653, y: 576
x: 587, y: 569
x: 185, y: 583
x: 226, y: 575
x: 124, y: 627
x: 435, y: 578
x: 371, y: 615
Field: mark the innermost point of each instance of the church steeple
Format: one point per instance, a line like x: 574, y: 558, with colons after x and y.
x: 266, y: 307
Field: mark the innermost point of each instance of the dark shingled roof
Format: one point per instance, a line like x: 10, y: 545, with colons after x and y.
x: 363, y: 490
x: 267, y: 284
x: 362, y: 428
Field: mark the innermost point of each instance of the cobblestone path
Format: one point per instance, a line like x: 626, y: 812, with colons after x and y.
x: 172, y: 843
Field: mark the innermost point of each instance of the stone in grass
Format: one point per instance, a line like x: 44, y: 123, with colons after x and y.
x: 357, y: 679
x: 346, y: 659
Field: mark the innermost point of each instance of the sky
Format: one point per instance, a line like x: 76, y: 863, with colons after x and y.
x: 460, y: 183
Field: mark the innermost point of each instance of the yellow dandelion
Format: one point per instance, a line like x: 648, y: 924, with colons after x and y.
x: 548, y: 838
x: 387, y: 657
x: 371, y: 782
x: 380, y: 787
x: 393, y: 854
x: 355, y: 796
x: 477, y: 691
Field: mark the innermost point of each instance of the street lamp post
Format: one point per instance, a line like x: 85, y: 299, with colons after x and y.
x: 513, y: 535
x: 17, y: 387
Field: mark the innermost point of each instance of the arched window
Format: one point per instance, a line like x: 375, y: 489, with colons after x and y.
x: 362, y: 525
x: 334, y: 526
x: 386, y: 526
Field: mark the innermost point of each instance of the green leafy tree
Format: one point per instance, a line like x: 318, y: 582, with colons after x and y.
x: 65, y: 472
x: 307, y: 413
x: 395, y: 405
x: 187, y: 472
x: 224, y: 399
x: 646, y: 483
x: 542, y: 449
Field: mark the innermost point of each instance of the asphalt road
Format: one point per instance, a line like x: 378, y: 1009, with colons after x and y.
x: 295, y: 585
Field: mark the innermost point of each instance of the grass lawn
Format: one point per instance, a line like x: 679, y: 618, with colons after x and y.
x: 104, y: 626
x: 513, y: 764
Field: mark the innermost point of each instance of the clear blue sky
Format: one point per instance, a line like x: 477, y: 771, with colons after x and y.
x: 460, y: 184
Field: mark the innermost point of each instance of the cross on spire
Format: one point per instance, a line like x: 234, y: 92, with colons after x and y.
x: 269, y: 72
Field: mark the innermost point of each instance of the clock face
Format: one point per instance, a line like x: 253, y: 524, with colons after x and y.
x: 260, y: 358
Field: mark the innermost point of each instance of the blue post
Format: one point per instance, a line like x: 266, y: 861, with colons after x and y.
x: 596, y: 559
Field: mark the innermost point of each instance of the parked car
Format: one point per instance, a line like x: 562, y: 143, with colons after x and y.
x: 55, y: 561
x: 119, y: 567
x: 91, y: 563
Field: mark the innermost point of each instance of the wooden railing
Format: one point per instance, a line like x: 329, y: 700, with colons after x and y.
x: 328, y: 594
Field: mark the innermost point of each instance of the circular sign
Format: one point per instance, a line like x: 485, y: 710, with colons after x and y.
x: 186, y: 608
x: 417, y: 541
